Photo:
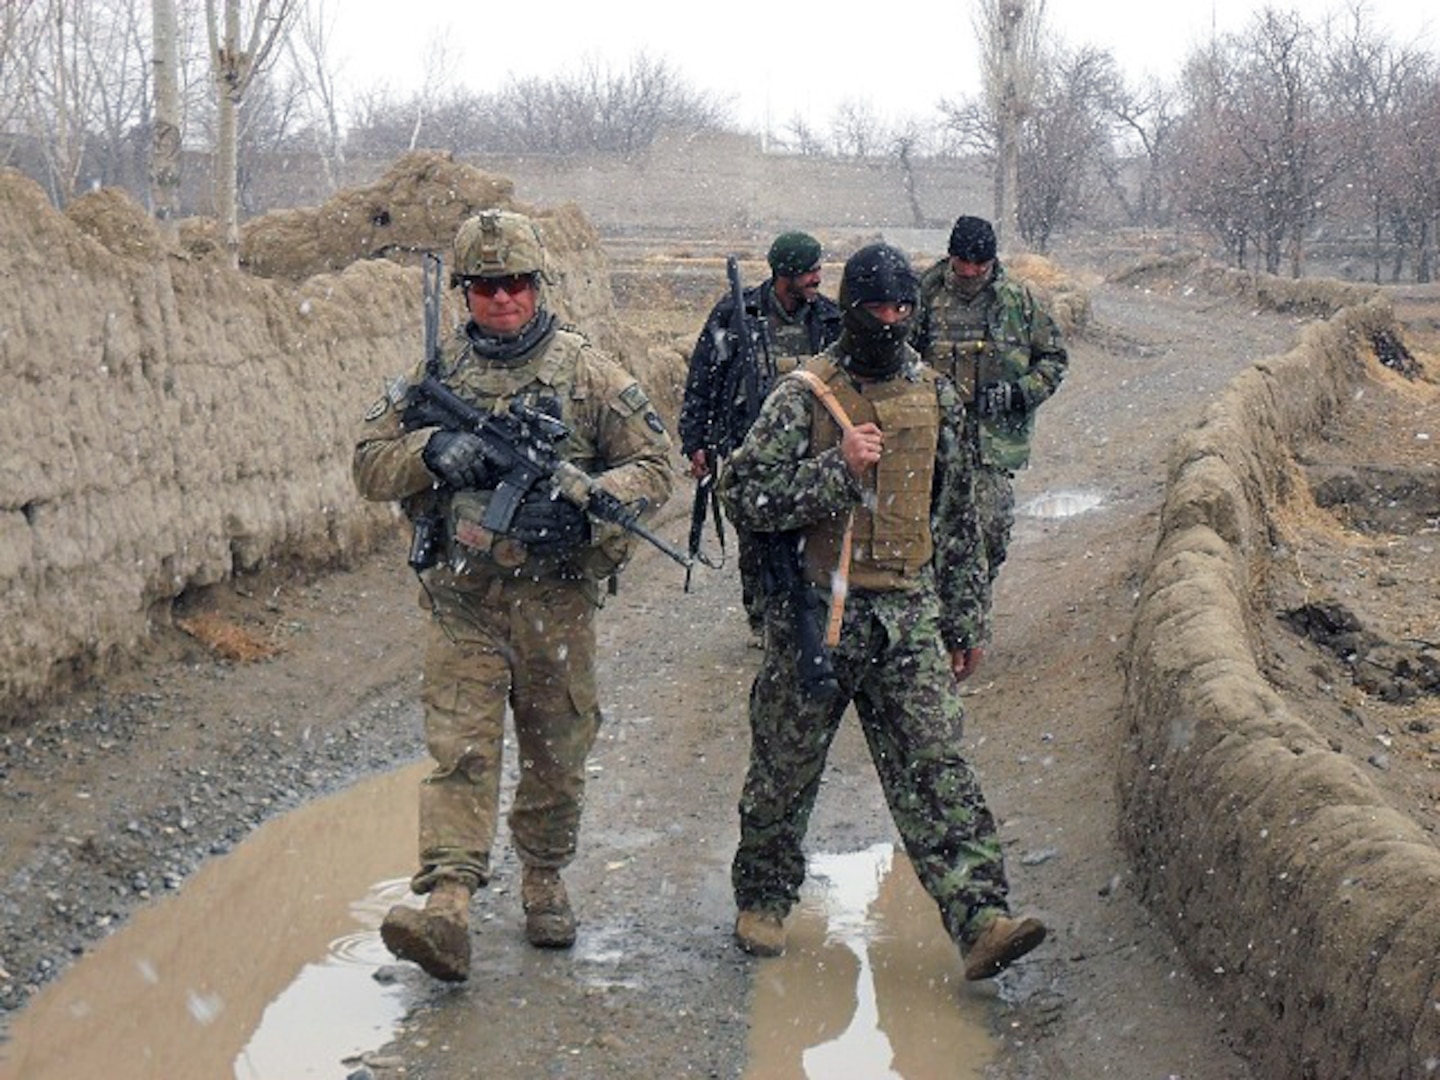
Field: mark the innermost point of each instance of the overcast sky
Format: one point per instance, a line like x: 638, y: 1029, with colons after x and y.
x: 773, y: 61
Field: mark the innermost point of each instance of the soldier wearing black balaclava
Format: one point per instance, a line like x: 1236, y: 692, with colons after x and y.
x: 898, y: 470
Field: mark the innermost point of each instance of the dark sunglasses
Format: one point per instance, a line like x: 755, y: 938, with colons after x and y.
x: 512, y: 284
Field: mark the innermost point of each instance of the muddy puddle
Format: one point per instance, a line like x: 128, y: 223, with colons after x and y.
x: 262, y: 968
x: 259, y: 968
x: 1061, y: 504
x: 869, y: 986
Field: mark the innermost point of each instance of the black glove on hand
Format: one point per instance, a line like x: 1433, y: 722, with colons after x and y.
x: 549, y: 525
x: 420, y: 413
x: 998, y: 399
x: 456, y: 458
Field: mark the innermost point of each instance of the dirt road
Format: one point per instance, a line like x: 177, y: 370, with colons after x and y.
x: 179, y: 761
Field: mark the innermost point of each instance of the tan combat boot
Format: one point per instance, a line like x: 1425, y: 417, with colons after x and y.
x: 437, y: 937
x: 549, y: 922
x: 1003, y: 941
x: 760, y: 933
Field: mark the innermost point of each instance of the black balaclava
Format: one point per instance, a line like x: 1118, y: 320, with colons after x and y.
x: 877, y: 273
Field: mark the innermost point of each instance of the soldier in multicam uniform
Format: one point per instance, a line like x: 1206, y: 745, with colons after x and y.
x: 912, y: 622
x: 1004, y: 353
x: 512, y: 614
x: 792, y: 320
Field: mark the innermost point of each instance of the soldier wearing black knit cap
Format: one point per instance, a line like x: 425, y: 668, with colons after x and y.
x: 998, y: 343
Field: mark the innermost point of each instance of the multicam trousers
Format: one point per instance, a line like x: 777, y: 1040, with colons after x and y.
x: 492, y: 642
x: 891, y: 664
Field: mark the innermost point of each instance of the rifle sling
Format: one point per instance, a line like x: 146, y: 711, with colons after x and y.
x: 840, y: 585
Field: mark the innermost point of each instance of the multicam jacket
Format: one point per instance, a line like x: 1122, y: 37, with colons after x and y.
x: 615, y: 435
x: 1005, y: 335
x: 789, y: 474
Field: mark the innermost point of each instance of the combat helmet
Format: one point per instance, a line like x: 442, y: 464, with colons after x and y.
x: 495, y: 243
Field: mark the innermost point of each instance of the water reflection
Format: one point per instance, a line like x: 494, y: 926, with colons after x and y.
x: 1061, y: 504
x: 870, y: 984
x: 285, y: 1042
x: 260, y: 968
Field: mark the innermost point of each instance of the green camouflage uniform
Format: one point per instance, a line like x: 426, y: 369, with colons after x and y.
x: 1010, y: 337
x: 507, y: 627
x: 892, y: 662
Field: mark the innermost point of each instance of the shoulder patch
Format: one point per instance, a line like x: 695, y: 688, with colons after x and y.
x: 652, y: 418
x: 633, y: 397
x: 377, y: 409
x: 396, y: 390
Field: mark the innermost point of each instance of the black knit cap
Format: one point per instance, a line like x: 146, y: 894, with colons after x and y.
x: 794, y: 253
x: 972, y: 239
x: 878, y: 273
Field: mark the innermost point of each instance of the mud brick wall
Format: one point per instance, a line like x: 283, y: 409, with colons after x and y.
x: 170, y: 422
x: 1272, y: 859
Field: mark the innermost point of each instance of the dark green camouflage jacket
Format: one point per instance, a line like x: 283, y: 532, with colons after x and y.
x: 1018, y: 343
x: 774, y: 483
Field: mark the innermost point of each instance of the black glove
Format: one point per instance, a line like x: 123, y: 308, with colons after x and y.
x: 456, y: 457
x: 420, y: 412
x: 549, y: 525
x: 998, y: 399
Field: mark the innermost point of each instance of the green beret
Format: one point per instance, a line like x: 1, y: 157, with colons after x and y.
x: 793, y: 253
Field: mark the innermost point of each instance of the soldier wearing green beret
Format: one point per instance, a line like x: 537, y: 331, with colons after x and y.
x: 789, y: 320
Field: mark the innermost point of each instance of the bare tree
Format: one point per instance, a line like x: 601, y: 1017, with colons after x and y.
x: 801, y: 138
x: 1147, y: 117
x: 166, y: 129
x: 1411, y: 168
x: 123, y: 97
x: 856, y: 131
x: 1010, y: 34
x: 904, y: 145
x: 315, y: 77
x: 1259, y: 145
x: 597, y: 108
x: 80, y: 82
x: 1064, y: 142
x: 1063, y: 146
x: 19, y: 30
x: 623, y: 110
x: 1368, y: 81
x: 439, y: 56
x: 234, y: 66
x: 971, y: 128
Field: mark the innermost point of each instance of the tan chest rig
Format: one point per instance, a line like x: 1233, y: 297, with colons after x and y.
x: 491, y: 389
x: 891, y: 537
